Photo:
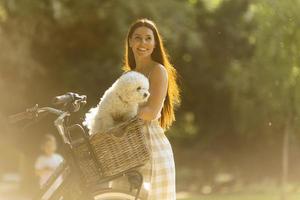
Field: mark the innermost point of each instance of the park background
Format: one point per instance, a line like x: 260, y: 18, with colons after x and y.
x: 236, y: 134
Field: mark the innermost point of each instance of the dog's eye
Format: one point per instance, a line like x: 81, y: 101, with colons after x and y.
x: 138, y: 88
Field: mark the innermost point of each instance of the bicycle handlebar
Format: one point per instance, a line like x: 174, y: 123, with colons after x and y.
x: 33, y: 112
x: 71, y: 100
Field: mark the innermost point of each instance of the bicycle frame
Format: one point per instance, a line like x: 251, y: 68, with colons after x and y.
x: 73, y: 187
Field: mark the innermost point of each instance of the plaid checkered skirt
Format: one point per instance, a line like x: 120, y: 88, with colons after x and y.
x: 159, y: 172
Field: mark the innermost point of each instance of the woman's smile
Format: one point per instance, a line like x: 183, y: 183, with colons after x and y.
x: 141, y: 49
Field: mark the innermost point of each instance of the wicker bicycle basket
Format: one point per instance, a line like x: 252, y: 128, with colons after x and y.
x: 119, y: 149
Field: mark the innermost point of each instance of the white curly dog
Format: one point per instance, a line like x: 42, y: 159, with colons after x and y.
x: 119, y: 103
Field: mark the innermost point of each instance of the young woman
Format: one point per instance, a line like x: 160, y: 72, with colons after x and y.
x: 145, y: 53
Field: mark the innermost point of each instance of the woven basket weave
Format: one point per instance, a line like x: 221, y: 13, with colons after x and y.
x: 83, y: 154
x: 120, y: 149
x: 87, y: 164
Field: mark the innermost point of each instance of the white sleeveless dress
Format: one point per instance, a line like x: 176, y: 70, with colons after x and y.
x: 159, y: 172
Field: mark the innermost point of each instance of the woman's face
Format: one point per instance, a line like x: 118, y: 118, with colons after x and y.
x: 142, y: 42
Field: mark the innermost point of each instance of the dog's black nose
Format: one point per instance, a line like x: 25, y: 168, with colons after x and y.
x: 145, y: 95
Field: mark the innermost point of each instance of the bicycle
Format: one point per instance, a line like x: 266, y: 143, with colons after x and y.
x: 73, y: 186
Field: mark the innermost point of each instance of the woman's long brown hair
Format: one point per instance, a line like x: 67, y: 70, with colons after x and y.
x: 159, y: 55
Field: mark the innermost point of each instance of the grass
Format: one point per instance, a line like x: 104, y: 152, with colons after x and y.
x: 241, y: 197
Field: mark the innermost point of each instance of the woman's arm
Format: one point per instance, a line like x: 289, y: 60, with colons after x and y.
x: 158, y: 90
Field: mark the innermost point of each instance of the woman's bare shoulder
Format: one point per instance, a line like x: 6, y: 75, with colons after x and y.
x: 159, y: 71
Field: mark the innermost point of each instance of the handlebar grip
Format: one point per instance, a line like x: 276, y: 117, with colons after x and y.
x: 30, y: 113
x: 63, y: 99
x: 20, y: 116
x: 69, y: 97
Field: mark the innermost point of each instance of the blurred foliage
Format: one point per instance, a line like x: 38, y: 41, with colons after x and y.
x: 238, y: 61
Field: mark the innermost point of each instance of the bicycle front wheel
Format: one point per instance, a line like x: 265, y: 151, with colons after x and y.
x: 114, y: 194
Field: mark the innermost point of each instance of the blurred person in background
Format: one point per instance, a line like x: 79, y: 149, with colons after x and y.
x: 48, y: 161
